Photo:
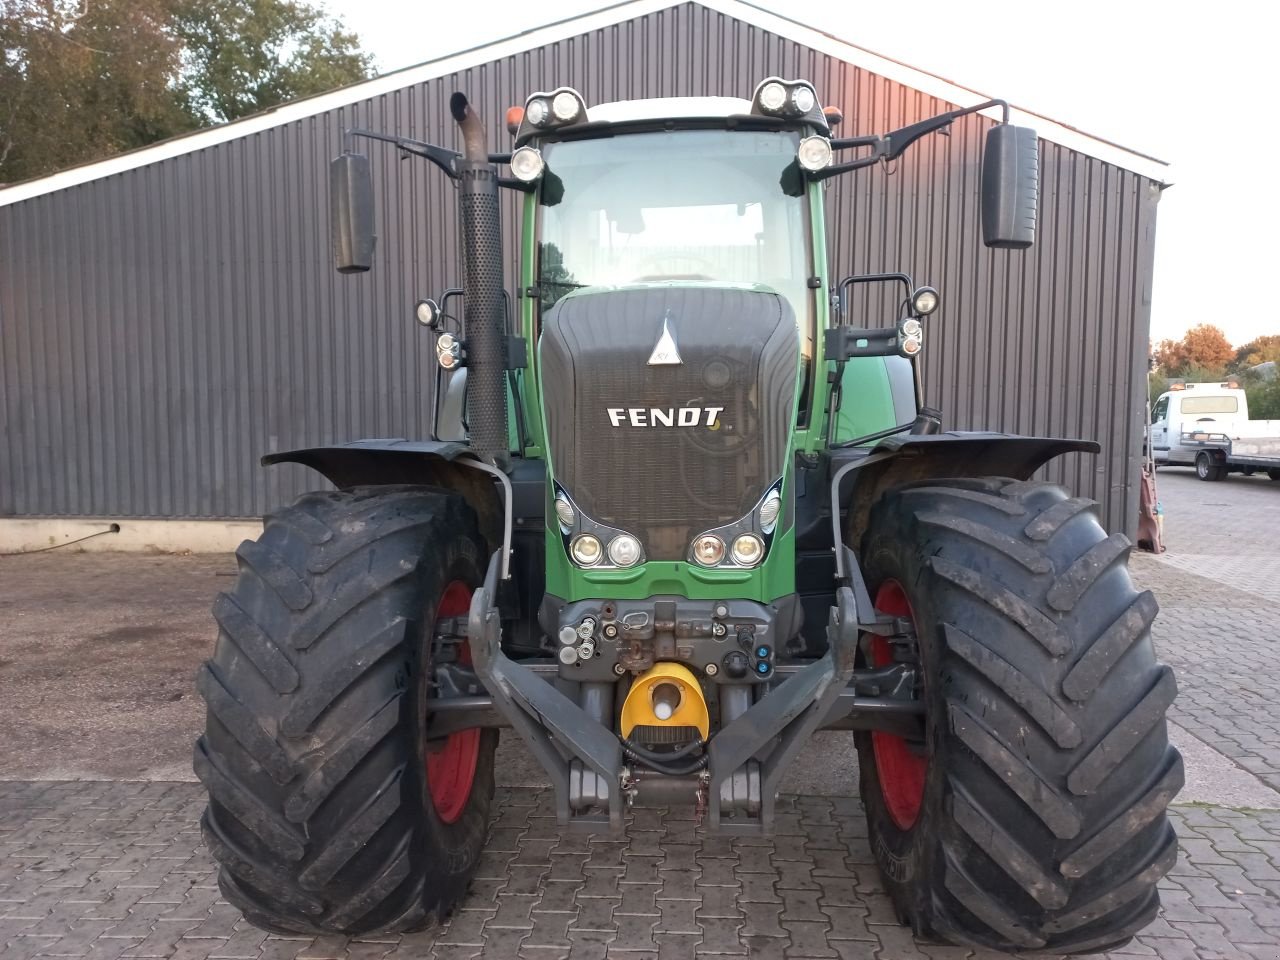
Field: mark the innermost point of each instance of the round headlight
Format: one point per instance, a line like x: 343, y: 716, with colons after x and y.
x: 748, y: 550
x: 537, y: 111
x: 624, y: 550
x: 911, y: 327
x: 586, y: 550
x: 802, y: 99
x: 911, y: 346
x: 814, y: 153
x: 769, y: 511
x: 565, y: 512
x: 427, y: 313
x: 565, y: 106
x: 924, y: 301
x: 773, y: 96
x: 526, y: 164
x: 708, y: 550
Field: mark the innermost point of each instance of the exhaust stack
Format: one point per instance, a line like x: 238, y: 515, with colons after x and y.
x: 484, y: 313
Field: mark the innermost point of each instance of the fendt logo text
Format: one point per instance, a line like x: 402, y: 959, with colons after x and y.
x: 665, y: 416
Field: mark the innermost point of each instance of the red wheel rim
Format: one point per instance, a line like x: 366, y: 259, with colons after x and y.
x: 900, y: 770
x: 451, y: 771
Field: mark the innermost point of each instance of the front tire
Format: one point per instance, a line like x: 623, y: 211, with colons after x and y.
x: 1033, y: 814
x: 329, y: 812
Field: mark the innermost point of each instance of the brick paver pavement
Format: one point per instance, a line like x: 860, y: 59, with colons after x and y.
x: 115, y: 869
x: 108, y: 869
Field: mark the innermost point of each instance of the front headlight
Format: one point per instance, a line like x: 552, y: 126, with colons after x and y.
x: 708, y: 550
x: 624, y: 550
x: 586, y: 550
x: 748, y: 550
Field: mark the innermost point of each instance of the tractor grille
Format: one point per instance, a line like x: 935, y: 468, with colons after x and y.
x: 651, y: 735
x: 618, y: 459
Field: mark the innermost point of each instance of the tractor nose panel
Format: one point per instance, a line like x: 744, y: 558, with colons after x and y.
x: 669, y: 408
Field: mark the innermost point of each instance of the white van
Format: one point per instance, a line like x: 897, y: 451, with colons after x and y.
x: 1205, y: 407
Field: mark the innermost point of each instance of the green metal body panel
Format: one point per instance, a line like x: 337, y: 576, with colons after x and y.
x: 866, y: 406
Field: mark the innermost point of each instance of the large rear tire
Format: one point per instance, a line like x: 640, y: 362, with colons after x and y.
x: 1033, y: 814
x: 329, y: 812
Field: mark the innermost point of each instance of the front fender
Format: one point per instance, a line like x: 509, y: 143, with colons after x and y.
x: 910, y: 458
x: 437, y: 463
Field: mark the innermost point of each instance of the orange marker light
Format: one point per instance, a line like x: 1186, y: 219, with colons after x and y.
x: 833, y: 114
x: 515, y: 116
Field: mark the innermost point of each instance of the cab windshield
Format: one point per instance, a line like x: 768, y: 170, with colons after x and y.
x: 676, y: 206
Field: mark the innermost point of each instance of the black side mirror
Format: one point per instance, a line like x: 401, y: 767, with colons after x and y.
x: 1010, y: 187
x: 351, y: 210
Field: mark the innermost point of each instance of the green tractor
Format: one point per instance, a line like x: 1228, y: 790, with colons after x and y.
x: 678, y: 516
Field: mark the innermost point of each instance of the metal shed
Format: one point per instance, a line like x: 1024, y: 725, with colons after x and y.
x: 169, y: 315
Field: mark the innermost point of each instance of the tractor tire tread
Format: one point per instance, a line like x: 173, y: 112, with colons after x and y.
x: 1051, y: 827
x: 312, y: 755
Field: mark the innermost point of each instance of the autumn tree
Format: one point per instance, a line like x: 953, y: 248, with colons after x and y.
x: 81, y: 80
x: 1203, y: 349
x: 1258, y: 350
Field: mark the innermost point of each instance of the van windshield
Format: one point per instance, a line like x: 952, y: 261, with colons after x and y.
x: 1210, y: 405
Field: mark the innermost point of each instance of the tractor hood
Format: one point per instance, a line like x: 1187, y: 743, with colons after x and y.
x: 669, y: 408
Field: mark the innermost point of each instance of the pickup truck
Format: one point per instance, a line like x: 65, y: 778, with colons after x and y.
x: 1218, y: 454
x: 1207, y: 426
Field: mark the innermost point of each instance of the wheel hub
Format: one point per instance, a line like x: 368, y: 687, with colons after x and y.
x: 901, y: 770
x: 451, y: 770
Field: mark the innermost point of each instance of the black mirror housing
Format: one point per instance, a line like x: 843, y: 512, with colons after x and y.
x: 351, y: 212
x: 1010, y: 187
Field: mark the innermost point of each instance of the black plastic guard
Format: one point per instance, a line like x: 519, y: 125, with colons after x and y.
x: 393, y: 461
x: 910, y: 458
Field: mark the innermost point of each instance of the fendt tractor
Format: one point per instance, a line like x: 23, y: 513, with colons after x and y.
x: 678, y: 514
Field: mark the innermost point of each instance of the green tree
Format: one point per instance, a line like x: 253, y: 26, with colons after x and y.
x: 241, y: 58
x: 81, y: 81
x: 1264, y: 399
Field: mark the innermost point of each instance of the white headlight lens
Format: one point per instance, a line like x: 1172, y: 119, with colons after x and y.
x: 586, y: 550
x: 814, y: 153
x: 769, y: 511
x: 925, y: 301
x: 537, y: 112
x: 911, y: 328
x: 748, y: 550
x: 708, y: 550
x: 624, y: 550
x: 773, y: 96
x: 427, y: 313
x: 526, y: 164
x: 802, y: 99
x: 565, y: 106
x: 565, y: 512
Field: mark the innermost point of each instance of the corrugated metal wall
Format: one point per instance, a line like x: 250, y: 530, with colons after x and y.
x: 162, y: 328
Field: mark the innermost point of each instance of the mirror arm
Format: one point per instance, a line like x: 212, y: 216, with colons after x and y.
x: 441, y: 157
x: 893, y: 145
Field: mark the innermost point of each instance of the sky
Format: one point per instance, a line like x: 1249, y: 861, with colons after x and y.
x: 1185, y: 88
